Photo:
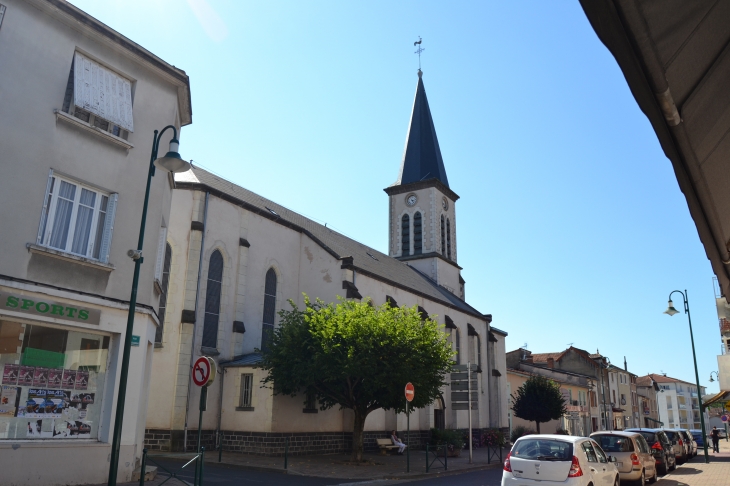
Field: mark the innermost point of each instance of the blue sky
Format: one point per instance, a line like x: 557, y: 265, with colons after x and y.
x: 571, y: 225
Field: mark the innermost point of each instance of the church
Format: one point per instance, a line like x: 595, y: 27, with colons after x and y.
x: 230, y: 259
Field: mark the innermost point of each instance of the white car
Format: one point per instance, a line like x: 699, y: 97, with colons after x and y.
x: 547, y: 460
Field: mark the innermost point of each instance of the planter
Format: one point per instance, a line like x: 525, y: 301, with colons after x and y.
x: 454, y: 453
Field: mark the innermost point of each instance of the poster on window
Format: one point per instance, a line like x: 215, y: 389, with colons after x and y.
x: 10, y: 374
x: 55, y: 378
x: 69, y: 379
x: 9, y: 399
x: 40, y: 376
x: 82, y: 380
x: 25, y: 375
x: 39, y: 429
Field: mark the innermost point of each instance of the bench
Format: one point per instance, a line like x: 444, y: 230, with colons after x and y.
x: 386, y: 445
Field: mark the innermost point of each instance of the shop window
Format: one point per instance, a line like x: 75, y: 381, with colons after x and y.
x: 267, y: 328
x: 213, y: 300
x: 52, y: 382
x: 77, y: 219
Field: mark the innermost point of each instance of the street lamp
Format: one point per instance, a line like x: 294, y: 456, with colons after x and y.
x: 171, y: 162
x: 671, y: 311
x: 714, y: 373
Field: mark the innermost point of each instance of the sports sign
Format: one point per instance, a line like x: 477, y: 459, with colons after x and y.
x: 410, y: 392
x: 203, y: 371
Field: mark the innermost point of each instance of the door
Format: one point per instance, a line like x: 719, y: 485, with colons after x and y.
x: 596, y: 469
x: 647, y: 458
x: 608, y: 468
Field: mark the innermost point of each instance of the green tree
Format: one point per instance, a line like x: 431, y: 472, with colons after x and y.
x: 356, y: 356
x: 538, y: 400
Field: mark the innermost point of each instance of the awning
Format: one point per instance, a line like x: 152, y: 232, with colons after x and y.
x: 720, y: 397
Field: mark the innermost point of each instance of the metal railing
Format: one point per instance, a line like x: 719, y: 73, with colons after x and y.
x: 198, y: 459
x: 436, y: 457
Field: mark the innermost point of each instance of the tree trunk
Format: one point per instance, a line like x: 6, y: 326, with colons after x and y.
x: 357, y: 436
x: 538, y: 426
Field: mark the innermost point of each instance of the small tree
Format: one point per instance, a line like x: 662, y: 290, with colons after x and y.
x: 538, y: 400
x: 357, y: 356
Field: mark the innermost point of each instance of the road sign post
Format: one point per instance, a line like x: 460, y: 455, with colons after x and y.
x: 203, y: 376
x: 410, y: 393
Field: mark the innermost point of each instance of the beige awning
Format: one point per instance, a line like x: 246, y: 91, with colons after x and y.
x: 720, y: 397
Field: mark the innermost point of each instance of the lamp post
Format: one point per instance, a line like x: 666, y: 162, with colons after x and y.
x: 716, y: 374
x: 171, y: 162
x: 671, y: 311
x: 603, y: 392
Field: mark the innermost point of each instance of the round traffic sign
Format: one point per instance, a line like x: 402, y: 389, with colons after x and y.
x: 203, y: 371
x: 410, y: 392
x: 724, y: 418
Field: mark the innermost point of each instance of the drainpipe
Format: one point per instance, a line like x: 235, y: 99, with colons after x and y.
x: 195, y: 324
x: 218, y: 437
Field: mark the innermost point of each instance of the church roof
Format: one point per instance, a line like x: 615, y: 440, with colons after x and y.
x: 422, y: 156
x: 366, y: 260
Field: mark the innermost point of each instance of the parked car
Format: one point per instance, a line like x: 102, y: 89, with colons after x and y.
x: 540, y: 459
x: 698, y: 437
x: 661, y: 448
x: 689, y: 441
x: 680, y: 450
x: 634, y: 459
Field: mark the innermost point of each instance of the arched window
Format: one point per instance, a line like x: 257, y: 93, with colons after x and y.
x: 417, y: 234
x: 267, y: 328
x: 163, y: 297
x: 443, y: 236
x: 405, y: 235
x: 448, y: 238
x: 213, y: 300
x: 457, y: 340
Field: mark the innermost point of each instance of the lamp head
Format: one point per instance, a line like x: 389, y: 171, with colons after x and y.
x: 671, y: 310
x: 172, y: 162
x: 711, y: 379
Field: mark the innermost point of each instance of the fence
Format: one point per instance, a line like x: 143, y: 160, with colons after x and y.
x: 198, y: 459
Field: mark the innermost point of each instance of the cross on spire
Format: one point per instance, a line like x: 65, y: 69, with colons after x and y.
x: 419, y: 51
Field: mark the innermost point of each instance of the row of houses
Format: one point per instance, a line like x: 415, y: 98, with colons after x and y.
x: 80, y: 105
x: 602, y: 396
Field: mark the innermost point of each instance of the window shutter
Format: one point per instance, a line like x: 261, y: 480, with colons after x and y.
x: 106, y: 239
x: 160, y: 262
x: 44, y: 211
x: 102, y: 92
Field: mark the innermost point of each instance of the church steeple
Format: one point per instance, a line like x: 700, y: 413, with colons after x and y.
x: 422, y: 156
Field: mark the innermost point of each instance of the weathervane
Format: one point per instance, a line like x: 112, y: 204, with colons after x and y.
x: 419, y: 51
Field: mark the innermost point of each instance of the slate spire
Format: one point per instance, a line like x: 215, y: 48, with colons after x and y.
x: 422, y: 156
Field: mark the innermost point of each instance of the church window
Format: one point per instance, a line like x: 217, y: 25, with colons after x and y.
x: 213, y: 300
x: 457, y: 340
x: 391, y: 301
x: 417, y: 234
x: 479, y: 351
x: 163, y: 296
x: 443, y: 235
x: 405, y: 235
x: 267, y: 329
x: 246, y: 390
x: 448, y: 238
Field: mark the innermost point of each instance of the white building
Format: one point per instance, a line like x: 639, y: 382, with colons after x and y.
x: 79, y: 106
x: 678, y: 402
x: 235, y: 258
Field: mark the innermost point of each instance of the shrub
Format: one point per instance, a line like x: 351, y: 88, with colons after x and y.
x: 519, y: 431
x: 453, y: 438
x: 493, y: 438
x: 560, y: 431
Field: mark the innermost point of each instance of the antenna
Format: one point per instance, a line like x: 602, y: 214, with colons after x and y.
x: 524, y: 345
x: 419, y: 51
x: 570, y: 345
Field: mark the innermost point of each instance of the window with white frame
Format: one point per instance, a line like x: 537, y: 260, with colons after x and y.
x: 99, y: 96
x: 77, y: 218
x: 246, y: 390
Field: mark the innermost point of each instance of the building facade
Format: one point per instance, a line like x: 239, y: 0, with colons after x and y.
x: 647, y: 390
x: 80, y: 103
x: 234, y: 258
x: 678, y: 402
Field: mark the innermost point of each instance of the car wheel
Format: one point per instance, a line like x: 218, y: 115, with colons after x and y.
x: 664, y: 468
x: 642, y: 478
x: 673, y: 466
x: 654, y: 477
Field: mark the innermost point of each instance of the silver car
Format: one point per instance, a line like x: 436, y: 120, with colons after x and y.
x: 633, y: 455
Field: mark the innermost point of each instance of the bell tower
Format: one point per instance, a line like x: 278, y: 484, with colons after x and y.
x: 422, y: 212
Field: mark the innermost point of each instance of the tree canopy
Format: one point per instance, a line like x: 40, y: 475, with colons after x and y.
x: 357, y: 356
x: 538, y: 400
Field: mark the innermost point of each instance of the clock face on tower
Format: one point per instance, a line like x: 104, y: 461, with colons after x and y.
x: 445, y: 204
x: 411, y: 199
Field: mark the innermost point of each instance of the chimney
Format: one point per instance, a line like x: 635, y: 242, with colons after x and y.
x: 626, y: 368
x: 551, y: 363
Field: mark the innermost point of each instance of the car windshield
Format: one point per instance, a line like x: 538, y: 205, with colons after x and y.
x: 614, y: 443
x: 543, y: 450
x: 672, y: 435
x: 649, y: 436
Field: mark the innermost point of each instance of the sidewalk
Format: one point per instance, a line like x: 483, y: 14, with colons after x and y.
x: 696, y: 473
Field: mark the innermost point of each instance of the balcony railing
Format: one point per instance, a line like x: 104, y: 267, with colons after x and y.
x: 724, y: 327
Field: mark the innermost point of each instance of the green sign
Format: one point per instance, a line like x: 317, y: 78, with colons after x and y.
x: 30, y: 304
x: 135, y: 340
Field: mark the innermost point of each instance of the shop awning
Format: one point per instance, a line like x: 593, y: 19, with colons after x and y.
x: 720, y: 397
